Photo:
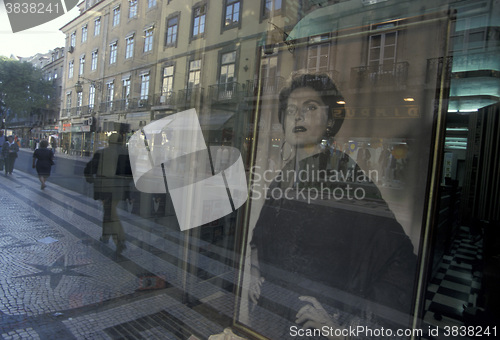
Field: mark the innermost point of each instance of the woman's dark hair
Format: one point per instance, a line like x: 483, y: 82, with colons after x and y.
x: 326, y: 89
x: 44, y: 144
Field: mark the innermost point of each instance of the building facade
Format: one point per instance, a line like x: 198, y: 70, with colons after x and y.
x: 47, y: 126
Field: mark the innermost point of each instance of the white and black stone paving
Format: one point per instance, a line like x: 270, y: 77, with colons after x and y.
x: 58, y: 281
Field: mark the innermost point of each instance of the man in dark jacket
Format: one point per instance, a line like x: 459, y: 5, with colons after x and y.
x: 110, y: 172
x: 9, y: 153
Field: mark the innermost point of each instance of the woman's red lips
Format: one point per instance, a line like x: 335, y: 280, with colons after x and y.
x: 299, y: 129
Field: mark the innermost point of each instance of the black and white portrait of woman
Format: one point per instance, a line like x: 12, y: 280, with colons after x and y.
x: 326, y: 251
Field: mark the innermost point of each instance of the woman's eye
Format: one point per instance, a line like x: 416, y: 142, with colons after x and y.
x: 311, y: 107
x: 291, y: 110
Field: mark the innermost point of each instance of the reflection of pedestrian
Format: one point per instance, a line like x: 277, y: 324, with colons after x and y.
x: 54, y: 145
x: 9, y: 153
x: 44, y: 159
x: 343, y: 164
x: 2, y: 142
x: 362, y: 162
x: 311, y: 259
x: 110, y: 172
x: 383, y: 161
x: 324, y: 158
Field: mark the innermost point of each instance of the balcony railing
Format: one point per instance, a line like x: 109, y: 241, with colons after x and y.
x: 107, y: 106
x: 167, y: 98
x: 393, y: 75
x: 224, y: 92
x: 189, y: 97
x: 128, y: 104
x: 78, y: 111
x: 270, y: 86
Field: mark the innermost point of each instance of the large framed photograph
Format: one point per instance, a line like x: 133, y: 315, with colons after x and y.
x: 343, y: 164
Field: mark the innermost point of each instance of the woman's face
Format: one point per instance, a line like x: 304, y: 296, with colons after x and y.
x: 306, y: 117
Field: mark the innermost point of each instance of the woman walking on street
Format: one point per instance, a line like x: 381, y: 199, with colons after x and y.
x: 44, y: 159
x: 9, y: 153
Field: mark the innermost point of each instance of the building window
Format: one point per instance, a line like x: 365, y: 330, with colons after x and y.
x: 113, y: 48
x: 129, y: 48
x: 70, y: 69
x: 269, y: 71
x: 97, y: 26
x: 84, y: 33
x: 73, y: 39
x: 82, y: 65
x: 228, y: 61
x: 126, y: 92
x: 110, y: 92
x: 270, y: 7
x: 79, y: 99
x: 148, y: 40
x: 382, y: 49
x: 91, y: 96
x: 167, y: 85
x: 226, y: 76
x: 144, y: 86
x: 116, y: 16
x: 151, y: 3
x: 194, y: 73
x: 470, y: 34
x: 232, y: 13
x: 199, y: 20
x: 93, y: 64
x: 318, y: 55
x: 68, y: 101
x: 172, y: 28
x: 132, y: 10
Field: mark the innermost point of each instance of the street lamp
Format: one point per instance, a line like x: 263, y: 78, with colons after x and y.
x: 79, y: 84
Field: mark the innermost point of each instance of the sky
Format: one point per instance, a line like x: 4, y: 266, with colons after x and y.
x: 39, y: 39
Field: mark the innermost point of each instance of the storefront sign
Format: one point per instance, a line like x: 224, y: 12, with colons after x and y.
x: 407, y: 111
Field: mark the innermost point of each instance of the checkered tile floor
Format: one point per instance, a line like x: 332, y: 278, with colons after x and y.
x: 457, y: 282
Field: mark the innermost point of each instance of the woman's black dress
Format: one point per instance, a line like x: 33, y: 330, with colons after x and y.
x: 351, y: 255
x: 44, y: 161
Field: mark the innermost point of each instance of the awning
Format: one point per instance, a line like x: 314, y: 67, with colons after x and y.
x: 323, y: 20
x: 215, y: 120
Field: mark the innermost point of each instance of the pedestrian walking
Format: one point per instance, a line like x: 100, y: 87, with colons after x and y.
x: 9, y: 153
x: 43, y: 159
x: 2, y: 141
x: 53, y: 144
x: 110, y: 173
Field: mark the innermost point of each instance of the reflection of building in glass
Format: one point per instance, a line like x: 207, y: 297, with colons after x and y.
x: 142, y: 67
x: 53, y: 70
x: 135, y: 62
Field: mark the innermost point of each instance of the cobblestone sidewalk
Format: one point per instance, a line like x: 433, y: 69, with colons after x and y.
x: 59, y: 281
